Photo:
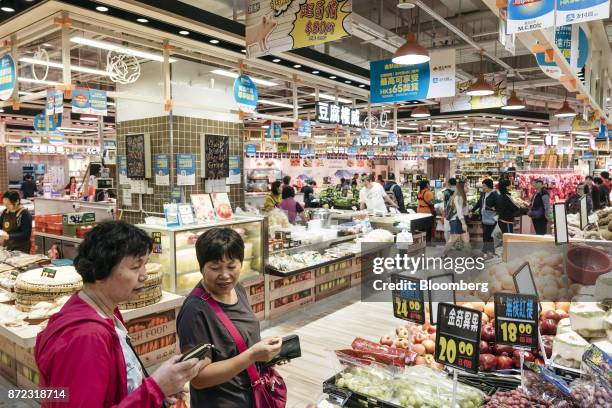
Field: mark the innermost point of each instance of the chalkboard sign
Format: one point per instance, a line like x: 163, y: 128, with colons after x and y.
x: 136, y: 157
x: 215, y: 156
x: 458, y: 337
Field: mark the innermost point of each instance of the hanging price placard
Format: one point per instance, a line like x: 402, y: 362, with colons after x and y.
x: 458, y: 337
x: 516, y: 319
x: 408, y: 299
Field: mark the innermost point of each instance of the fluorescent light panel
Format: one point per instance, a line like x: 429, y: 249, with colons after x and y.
x: 38, y: 81
x: 115, y: 47
x: 53, y: 64
x: 331, y: 98
x: 231, y: 74
x: 274, y: 103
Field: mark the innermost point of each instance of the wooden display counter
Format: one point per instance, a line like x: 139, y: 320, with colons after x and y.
x: 152, y: 329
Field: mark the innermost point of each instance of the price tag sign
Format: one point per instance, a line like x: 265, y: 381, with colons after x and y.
x: 516, y: 320
x: 48, y: 273
x: 157, y: 244
x: 79, y: 218
x: 458, y: 337
x: 408, y: 299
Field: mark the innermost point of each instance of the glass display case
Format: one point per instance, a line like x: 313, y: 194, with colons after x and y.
x: 174, y: 248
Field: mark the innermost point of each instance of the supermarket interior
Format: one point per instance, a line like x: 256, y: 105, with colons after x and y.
x: 313, y: 203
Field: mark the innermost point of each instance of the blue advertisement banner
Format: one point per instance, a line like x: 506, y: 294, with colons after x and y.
x: 40, y: 126
x: 391, y: 82
x: 8, y: 76
x: 162, y: 169
x: 97, y: 100
x: 80, y: 101
x: 529, y: 15
x: 304, y: 128
x: 245, y: 93
x: 563, y: 40
x: 250, y: 149
x: 274, y: 132
x: 185, y: 169
x: 579, y: 11
x: 502, y: 136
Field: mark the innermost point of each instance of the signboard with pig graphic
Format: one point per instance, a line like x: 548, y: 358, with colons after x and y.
x: 281, y: 25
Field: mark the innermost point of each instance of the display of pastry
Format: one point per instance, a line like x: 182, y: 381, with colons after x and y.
x: 45, y: 285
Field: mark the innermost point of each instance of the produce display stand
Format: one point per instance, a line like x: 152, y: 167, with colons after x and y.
x: 152, y: 329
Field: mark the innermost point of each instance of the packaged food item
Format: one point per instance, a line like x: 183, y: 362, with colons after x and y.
x: 541, y: 383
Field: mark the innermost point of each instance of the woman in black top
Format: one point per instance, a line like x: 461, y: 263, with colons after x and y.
x: 16, y: 224
x: 224, y: 383
x: 505, y: 207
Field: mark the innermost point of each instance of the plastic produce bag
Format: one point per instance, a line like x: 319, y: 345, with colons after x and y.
x: 541, y: 383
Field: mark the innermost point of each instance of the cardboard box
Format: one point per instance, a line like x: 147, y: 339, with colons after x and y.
x: 281, y: 310
x: 160, y: 355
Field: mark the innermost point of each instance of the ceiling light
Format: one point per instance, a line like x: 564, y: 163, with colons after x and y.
x: 463, y: 123
x: 581, y: 133
x: 7, y: 8
x: 142, y: 20
x: 315, y: 72
x: 441, y: 121
x: 214, y: 41
x: 243, y: 51
x: 184, y: 32
x: 480, y: 88
x: 103, y: 9
x: 274, y: 103
x: 85, y: 117
x: 53, y: 64
x: 119, y: 49
x: 513, y: 102
x: 38, y: 81
x: 230, y: 74
x: 347, y: 82
x: 331, y: 98
x: 297, y: 66
x: 539, y: 129
x: 411, y: 53
x: 276, y: 60
x: 405, y: 4
x: 408, y: 128
x: 420, y: 112
x: 1, y: 110
x: 361, y: 85
x: 557, y: 134
x: 332, y: 77
x: 565, y: 111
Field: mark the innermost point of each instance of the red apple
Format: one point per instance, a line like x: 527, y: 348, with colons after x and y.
x: 548, y: 326
x: 550, y: 314
x: 402, y: 332
x: 502, y: 350
x: 504, y: 362
x: 402, y: 343
x: 562, y: 315
x: 386, y: 341
x: 419, y: 349
x: 487, y: 362
x: 487, y: 333
x: 516, y: 357
x: 431, y: 329
x: 547, y: 342
x: 419, y: 361
x: 484, y: 347
x: 420, y: 337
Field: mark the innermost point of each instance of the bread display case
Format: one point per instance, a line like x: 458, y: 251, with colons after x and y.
x: 174, y: 249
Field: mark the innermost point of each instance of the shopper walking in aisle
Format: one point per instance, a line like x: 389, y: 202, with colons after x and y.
x: 395, y: 190
x: 218, y: 312
x: 594, y: 192
x: 486, y: 204
x: 308, y: 192
x: 604, y: 192
x: 572, y: 205
x: 457, y: 211
x: 289, y: 205
x: 451, y: 187
x: 355, y: 180
x: 15, y: 224
x: 425, y: 199
x: 274, y: 198
x: 373, y: 196
x: 540, y: 209
x: 506, y: 208
x: 85, y: 347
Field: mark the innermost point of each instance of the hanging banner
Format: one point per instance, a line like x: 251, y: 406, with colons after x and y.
x: 245, y: 94
x: 559, y: 125
x: 304, y: 128
x: 250, y: 150
x: 8, y: 76
x: 274, y: 26
x: 80, y: 101
x: 579, y: 11
x: 391, y: 82
x: 463, y: 102
x: 122, y: 169
x: 502, y: 136
x: 563, y: 40
x: 505, y: 39
x: 274, y: 132
x: 162, y: 169
x: 41, y: 126
x: 185, y: 169
x: 98, y: 102
x: 581, y: 125
x: 529, y: 15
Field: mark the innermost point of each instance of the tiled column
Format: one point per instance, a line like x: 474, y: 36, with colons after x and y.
x: 4, y: 181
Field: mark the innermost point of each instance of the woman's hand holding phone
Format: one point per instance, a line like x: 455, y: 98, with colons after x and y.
x: 266, y: 349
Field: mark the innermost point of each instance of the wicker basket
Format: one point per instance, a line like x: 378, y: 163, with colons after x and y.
x: 31, y: 287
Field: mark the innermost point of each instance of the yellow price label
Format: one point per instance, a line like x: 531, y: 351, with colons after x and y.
x: 512, y: 331
x: 455, y: 352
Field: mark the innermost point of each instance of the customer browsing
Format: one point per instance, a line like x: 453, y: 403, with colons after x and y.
x: 373, y: 197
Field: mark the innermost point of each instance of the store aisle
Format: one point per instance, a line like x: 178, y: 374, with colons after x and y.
x: 321, y: 333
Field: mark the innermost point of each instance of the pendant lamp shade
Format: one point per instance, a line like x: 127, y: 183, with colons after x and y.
x: 411, y: 53
x: 565, y: 111
x: 420, y: 112
x: 514, y: 103
x: 480, y: 88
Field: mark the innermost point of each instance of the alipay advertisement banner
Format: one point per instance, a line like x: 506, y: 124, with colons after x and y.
x: 579, y: 11
x: 529, y: 15
x: 391, y: 82
x: 563, y: 39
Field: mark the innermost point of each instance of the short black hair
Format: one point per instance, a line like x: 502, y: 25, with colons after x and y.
x: 12, y: 196
x: 342, y: 180
x: 423, y: 184
x: 588, y: 178
x: 538, y: 181
x: 503, y: 186
x: 605, y: 175
x: 452, y: 181
x: 598, y: 180
x: 105, y: 246
x: 488, y: 183
x: 218, y: 244
x: 288, y: 192
x: 275, y: 187
x: 391, y: 176
x: 287, y: 179
x: 28, y: 177
x: 490, y: 173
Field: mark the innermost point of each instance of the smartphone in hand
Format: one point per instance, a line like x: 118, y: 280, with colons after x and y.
x: 200, y: 352
x: 289, y: 350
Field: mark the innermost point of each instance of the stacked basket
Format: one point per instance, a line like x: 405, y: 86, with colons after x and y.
x: 39, y: 285
x: 152, y: 291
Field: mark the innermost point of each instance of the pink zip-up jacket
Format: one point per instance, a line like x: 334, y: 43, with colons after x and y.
x: 81, y: 351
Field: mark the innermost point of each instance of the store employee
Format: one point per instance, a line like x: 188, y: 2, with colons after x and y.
x: 16, y: 223
x: 373, y: 196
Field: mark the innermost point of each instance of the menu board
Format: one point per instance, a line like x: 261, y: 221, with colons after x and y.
x: 458, y: 337
x: 135, y: 153
x: 215, y: 156
x: 408, y: 300
x: 516, y: 320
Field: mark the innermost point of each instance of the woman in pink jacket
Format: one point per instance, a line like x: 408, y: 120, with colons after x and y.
x: 85, y: 347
